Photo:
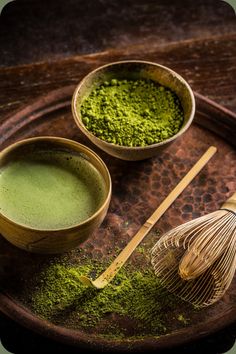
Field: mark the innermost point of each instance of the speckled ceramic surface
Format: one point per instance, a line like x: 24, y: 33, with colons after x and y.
x: 138, y: 188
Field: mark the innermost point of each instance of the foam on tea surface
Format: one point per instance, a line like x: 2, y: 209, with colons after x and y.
x: 50, y: 189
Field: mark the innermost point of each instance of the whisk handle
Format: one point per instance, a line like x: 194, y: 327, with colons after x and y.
x: 230, y: 204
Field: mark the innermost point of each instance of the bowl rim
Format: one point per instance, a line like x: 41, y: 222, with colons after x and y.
x: 99, y: 141
x: 69, y: 143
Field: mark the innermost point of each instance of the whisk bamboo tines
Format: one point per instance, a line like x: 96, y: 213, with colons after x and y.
x: 197, y: 260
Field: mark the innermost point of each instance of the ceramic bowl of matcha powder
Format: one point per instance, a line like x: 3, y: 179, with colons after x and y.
x: 133, y: 109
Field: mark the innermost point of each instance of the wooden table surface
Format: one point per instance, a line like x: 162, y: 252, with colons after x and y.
x: 47, y: 45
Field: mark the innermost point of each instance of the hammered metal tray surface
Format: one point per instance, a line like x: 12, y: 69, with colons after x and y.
x: 138, y: 188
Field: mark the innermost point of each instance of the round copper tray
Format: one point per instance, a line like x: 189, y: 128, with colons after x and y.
x: 138, y: 188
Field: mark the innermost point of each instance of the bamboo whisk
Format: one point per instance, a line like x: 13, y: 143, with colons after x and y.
x: 197, y: 260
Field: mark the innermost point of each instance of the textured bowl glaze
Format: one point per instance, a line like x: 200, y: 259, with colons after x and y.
x: 134, y: 69
x: 56, y: 240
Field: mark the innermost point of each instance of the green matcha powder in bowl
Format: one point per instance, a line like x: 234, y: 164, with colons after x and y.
x: 133, y: 109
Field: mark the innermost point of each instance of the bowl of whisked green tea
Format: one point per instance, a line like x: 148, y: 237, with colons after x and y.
x: 54, y: 193
x: 133, y: 109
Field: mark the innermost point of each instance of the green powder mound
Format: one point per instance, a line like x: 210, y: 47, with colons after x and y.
x: 132, y: 112
x: 135, y: 294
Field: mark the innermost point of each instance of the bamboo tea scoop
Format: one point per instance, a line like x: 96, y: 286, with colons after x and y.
x: 105, y: 278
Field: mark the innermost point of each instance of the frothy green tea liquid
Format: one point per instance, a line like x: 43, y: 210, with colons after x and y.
x: 50, y: 190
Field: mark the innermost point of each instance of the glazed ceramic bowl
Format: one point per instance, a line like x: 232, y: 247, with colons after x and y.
x: 54, y: 240
x: 134, y: 69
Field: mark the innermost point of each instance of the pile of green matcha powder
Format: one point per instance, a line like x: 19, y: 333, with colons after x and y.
x: 57, y: 295
x: 132, y: 112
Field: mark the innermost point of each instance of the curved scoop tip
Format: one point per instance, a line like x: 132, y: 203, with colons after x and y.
x: 86, y: 281
x: 98, y: 283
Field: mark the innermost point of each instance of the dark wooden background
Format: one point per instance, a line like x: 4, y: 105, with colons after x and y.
x: 45, y: 45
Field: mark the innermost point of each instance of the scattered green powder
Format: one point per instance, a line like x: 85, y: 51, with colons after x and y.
x: 132, y: 112
x: 133, y: 293
x: 181, y: 318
